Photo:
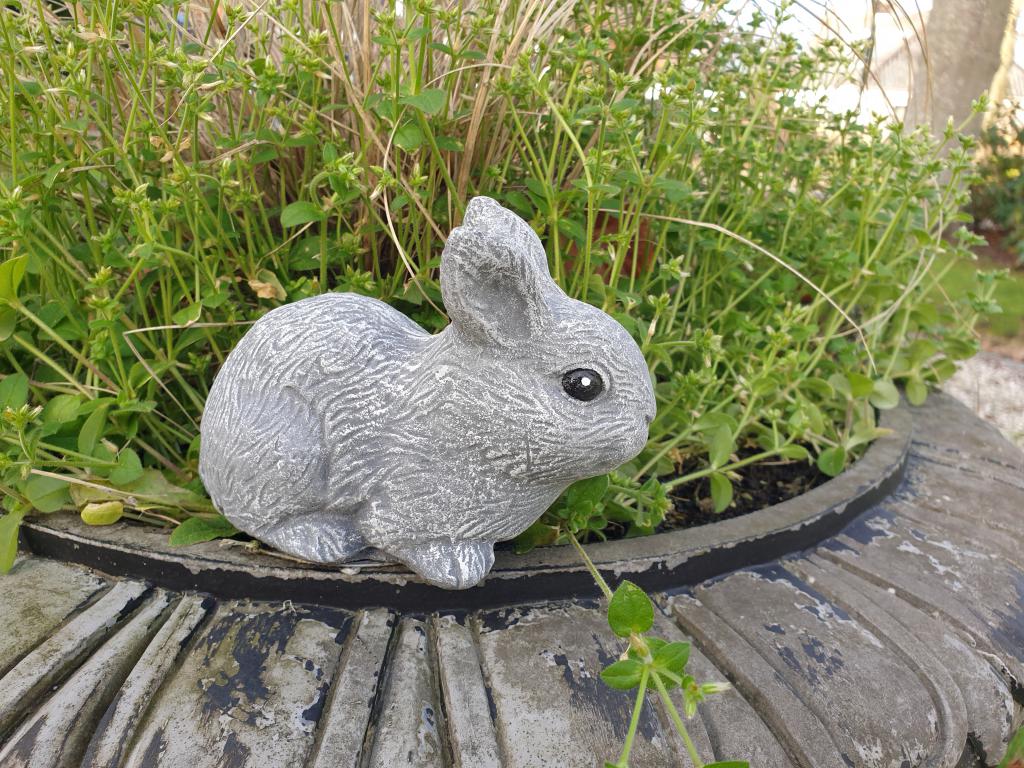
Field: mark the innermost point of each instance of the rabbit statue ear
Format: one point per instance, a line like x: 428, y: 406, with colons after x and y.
x: 494, y: 276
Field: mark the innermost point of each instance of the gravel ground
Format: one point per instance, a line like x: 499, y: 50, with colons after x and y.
x: 993, y: 386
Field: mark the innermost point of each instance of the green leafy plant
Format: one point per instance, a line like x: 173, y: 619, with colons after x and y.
x: 650, y: 664
x: 169, y: 172
x: 588, y: 506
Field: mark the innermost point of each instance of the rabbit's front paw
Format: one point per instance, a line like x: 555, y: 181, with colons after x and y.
x: 452, y: 565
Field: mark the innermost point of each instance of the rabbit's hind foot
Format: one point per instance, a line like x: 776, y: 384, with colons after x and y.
x: 452, y: 565
x: 320, y: 537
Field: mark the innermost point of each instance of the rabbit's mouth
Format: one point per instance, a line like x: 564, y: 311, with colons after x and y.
x: 621, y: 450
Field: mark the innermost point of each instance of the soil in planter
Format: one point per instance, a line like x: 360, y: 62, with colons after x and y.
x: 761, y: 485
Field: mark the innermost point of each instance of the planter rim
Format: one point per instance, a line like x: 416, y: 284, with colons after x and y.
x: 664, y: 561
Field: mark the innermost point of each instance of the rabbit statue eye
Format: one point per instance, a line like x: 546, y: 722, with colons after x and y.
x: 583, y: 384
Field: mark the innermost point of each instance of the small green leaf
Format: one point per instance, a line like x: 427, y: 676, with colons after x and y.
x: 623, y: 675
x: 129, y: 467
x: 51, y: 174
x: 46, y: 494
x: 150, y: 491
x: 197, y: 529
x: 917, y: 390
x: 840, y: 384
x: 832, y: 460
x: 102, y: 513
x: 728, y: 764
x: 8, y: 321
x: 654, y: 644
x: 860, y: 385
x: 630, y: 610
x: 537, y: 535
x: 14, y: 391
x: 408, y: 137
x: 885, y: 395
x: 592, y: 490
x: 11, y: 272
x: 61, y: 409
x: 721, y: 491
x: 720, y: 447
x: 92, y: 430
x: 429, y: 101
x: 864, y: 432
x: 189, y: 314
x: 794, y: 451
x: 301, y: 212
x: 818, y: 387
x: 214, y: 300
x: 449, y: 143
x: 9, y: 525
x: 673, y: 657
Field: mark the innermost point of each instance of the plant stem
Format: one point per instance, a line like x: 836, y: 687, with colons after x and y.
x: 635, y: 719
x: 678, y: 721
x: 591, y: 567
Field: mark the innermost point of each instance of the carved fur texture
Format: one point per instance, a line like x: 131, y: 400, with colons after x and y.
x: 339, y: 428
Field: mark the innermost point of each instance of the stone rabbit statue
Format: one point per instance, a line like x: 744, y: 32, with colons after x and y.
x: 339, y: 428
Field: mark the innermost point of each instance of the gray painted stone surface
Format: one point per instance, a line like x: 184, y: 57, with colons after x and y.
x: 410, y: 722
x: 794, y: 724
x: 338, y: 428
x: 56, y: 734
x: 111, y: 738
x: 823, y: 653
x: 341, y: 739
x: 62, y: 651
x: 896, y: 644
x: 733, y: 726
x: 464, y: 693
x: 249, y: 691
x: 543, y: 664
x: 36, y: 596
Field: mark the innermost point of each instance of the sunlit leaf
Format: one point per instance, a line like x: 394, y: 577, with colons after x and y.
x: 198, y: 529
x: 11, y: 273
x: 129, y: 467
x: 885, y: 395
x: 832, y: 460
x: 721, y: 491
x: 623, y: 675
x: 102, y: 513
x: 428, y: 101
x: 46, y: 494
x: 721, y: 446
x: 630, y: 610
x: 301, y: 212
x: 9, y: 526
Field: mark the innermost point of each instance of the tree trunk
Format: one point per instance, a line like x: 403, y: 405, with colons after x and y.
x: 1000, y: 83
x: 964, y: 39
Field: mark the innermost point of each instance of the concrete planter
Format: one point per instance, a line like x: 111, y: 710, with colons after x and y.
x: 877, y: 620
